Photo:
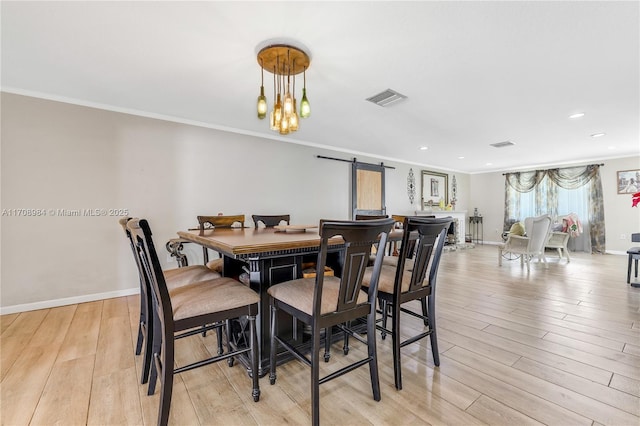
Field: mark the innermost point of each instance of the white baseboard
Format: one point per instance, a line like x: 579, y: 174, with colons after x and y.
x: 621, y: 253
x: 46, y: 304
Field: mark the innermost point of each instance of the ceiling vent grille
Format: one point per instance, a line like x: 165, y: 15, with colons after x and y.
x: 387, y: 98
x: 502, y: 144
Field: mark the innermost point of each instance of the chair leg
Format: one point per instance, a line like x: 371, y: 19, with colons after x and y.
x: 147, y: 359
x: 315, y: 376
x: 345, y: 346
x: 432, y: 327
x: 499, y: 257
x: 373, y: 354
x: 165, y: 362
x: 566, y: 253
x: 629, y: 269
x: 274, y: 345
x: 219, y: 336
x: 254, y: 358
x: 395, y: 337
x: 327, y: 343
x: 227, y: 326
x: 156, y: 348
x: 559, y: 250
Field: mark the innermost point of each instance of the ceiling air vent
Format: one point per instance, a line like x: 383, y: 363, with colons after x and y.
x: 386, y: 98
x: 502, y: 144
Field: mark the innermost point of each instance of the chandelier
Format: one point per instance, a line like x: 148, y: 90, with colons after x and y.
x: 284, y: 62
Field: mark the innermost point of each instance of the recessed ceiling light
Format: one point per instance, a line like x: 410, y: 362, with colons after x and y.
x: 423, y: 148
x: 577, y: 115
x: 489, y: 164
x: 460, y: 158
x: 597, y: 135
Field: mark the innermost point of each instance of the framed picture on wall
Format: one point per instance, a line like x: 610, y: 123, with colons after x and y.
x: 435, y: 186
x: 628, y: 181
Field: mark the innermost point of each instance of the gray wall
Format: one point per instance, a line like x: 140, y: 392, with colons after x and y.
x: 487, y: 193
x: 62, y: 156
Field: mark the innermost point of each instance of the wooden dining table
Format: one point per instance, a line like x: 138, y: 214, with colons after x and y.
x: 270, y: 256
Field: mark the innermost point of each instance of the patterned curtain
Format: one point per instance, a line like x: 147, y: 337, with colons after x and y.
x: 546, y: 196
x: 521, y: 182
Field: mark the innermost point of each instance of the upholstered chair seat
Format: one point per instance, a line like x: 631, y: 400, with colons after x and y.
x: 299, y: 293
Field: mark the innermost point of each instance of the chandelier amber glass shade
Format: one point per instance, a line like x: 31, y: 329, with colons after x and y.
x: 284, y: 61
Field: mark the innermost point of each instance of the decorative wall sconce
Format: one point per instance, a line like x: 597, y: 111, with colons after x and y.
x: 411, y: 186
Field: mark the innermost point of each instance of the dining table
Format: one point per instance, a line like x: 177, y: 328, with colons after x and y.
x: 270, y: 256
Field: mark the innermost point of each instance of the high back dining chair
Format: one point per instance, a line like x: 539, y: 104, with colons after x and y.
x: 217, y: 222
x: 537, y: 229
x: 269, y: 221
x: 187, y: 309
x: 325, y: 301
x: 412, y: 277
x: 174, y: 278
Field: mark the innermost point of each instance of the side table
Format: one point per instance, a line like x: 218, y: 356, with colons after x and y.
x: 477, y: 233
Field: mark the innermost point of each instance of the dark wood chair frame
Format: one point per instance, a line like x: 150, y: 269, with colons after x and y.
x: 144, y: 327
x: 165, y: 327
x: 270, y: 221
x: 423, y: 240
x: 359, y: 237
x: 207, y: 222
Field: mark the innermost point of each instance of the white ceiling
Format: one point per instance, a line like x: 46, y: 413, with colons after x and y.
x: 475, y: 73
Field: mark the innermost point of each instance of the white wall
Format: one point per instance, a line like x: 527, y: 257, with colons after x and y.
x: 487, y: 193
x: 62, y: 156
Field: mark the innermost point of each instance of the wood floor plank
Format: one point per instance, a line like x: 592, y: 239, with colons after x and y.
x: 613, y: 355
x: 625, y: 384
x: 446, y: 331
x: 518, y: 399
x: 82, y: 338
x: 22, y: 387
x: 55, y: 326
x: 116, y: 399
x: 495, y: 413
x: 563, y: 397
x: 27, y: 323
x: 566, y: 364
x: 632, y: 371
x: 114, y: 350
x: 6, y: 320
x: 65, y: 398
x: 598, y: 336
x: 596, y: 391
x: 632, y: 350
x: 12, y: 348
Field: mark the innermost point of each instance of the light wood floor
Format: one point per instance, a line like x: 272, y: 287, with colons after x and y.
x: 560, y: 346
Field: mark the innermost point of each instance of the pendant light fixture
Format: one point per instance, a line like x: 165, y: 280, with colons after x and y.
x: 305, y: 108
x: 284, y: 61
x: 262, y: 99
